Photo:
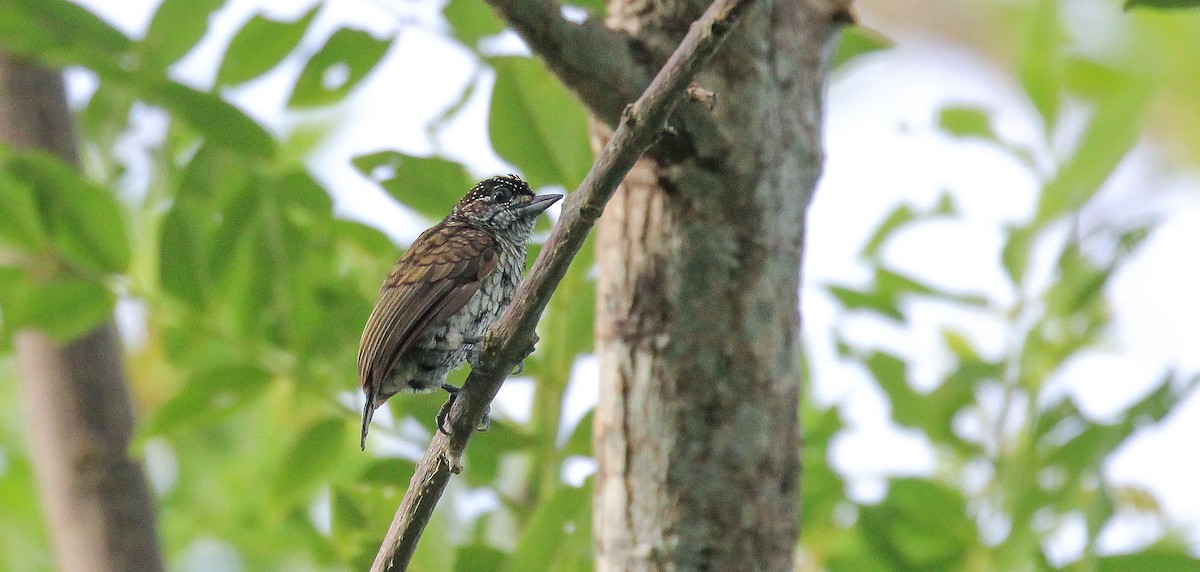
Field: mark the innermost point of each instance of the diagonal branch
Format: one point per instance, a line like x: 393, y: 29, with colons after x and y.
x: 508, y: 341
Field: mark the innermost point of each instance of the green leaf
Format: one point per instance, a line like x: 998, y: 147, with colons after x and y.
x: 921, y: 525
x: 347, y: 57
x: 822, y: 489
x: 931, y: 413
x: 1089, y: 442
x: 967, y: 121
x: 85, y: 219
x: 209, y: 216
x: 24, y: 545
x: 20, y: 221
x: 219, y: 121
x: 899, y: 217
x: 182, y: 265
x: 484, y: 462
x: 579, y: 442
x: 11, y: 278
x: 64, y: 307
x: 1014, y: 256
x: 1091, y: 79
x: 255, y: 269
x: 537, y: 125
x: 858, y: 41
x: 390, y: 472
x: 346, y: 515
x: 1153, y: 558
x: 873, y: 301
x: 102, y: 119
x: 61, y: 33
x: 366, y: 239
x: 558, y: 532
x: 956, y: 392
x: 945, y: 205
x: 959, y: 345
x: 1079, y: 283
x: 1130, y: 239
x: 1111, y: 133
x: 894, y: 285
x: 298, y: 189
x: 892, y: 374
x: 310, y: 460
x: 856, y: 556
x: 1161, y: 4
x: 479, y: 558
x: 436, y: 124
x: 260, y: 45
x: 432, y: 554
x: 471, y: 21
x: 1040, y: 67
x: 428, y: 185
x: 178, y: 25
x: 573, y: 314
x: 208, y: 396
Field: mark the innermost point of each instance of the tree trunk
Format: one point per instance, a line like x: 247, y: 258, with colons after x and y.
x: 95, y: 497
x: 696, y: 433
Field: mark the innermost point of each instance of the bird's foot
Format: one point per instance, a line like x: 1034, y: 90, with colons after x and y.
x: 520, y: 367
x: 444, y: 411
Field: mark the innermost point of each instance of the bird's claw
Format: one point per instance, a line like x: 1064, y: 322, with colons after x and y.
x: 444, y: 412
x: 520, y: 367
x: 532, y: 344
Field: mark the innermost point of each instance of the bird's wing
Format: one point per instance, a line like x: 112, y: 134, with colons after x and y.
x: 433, y: 280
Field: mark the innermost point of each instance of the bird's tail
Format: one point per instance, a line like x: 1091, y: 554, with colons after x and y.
x: 368, y: 413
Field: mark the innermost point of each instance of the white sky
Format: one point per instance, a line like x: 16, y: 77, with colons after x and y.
x: 883, y: 147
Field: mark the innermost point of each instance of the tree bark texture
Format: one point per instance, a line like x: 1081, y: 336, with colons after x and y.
x: 95, y: 498
x: 697, y: 430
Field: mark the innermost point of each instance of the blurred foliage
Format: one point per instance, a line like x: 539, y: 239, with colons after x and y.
x: 253, y: 294
x: 1161, y: 4
x: 1017, y: 462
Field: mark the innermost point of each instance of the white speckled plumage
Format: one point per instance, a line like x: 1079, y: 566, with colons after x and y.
x: 445, y: 346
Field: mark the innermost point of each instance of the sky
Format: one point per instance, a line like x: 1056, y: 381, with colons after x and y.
x: 873, y: 119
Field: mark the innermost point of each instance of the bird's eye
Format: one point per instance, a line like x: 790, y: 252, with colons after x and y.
x: 503, y: 195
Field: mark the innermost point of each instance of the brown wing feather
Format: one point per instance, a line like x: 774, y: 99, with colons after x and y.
x: 433, y: 280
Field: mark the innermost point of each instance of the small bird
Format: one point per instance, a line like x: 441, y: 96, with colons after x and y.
x: 445, y: 292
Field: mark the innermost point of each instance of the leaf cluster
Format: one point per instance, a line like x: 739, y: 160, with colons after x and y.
x: 1018, y: 461
x: 250, y: 295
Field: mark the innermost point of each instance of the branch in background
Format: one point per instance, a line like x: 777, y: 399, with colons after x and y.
x: 508, y: 341
x: 600, y: 67
x: 98, y: 507
x: 596, y: 63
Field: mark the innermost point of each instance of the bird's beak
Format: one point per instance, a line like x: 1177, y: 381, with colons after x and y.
x: 539, y: 204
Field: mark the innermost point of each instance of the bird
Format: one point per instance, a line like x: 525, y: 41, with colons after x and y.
x: 445, y: 292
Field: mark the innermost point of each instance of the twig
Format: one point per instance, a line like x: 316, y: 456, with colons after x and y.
x: 508, y: 341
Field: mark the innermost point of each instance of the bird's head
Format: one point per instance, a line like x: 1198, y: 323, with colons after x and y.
x: 503, y: 204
